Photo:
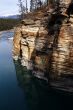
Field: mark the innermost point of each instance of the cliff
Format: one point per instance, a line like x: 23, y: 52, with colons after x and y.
x: 44, y: 41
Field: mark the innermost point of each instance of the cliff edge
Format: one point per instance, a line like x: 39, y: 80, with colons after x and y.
x: 44, y: 41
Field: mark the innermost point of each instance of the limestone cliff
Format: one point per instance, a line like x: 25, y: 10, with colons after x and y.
x: 44, y: 41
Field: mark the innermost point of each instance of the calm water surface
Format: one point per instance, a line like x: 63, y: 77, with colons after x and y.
x: 19, y: 90
x: 11, y: 95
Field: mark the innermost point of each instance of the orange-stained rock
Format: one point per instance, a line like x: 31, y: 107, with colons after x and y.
x: 16, y: 43
x: 45, y: 42
x: 41, y: 62
x: 62, y: 62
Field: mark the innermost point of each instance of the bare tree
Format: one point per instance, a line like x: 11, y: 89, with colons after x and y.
x: 31, y: 4
x: 26, y: 7
x: 22, y: 9
x: 47, y: 1
x: 39, y: 3
x: 34, y: 4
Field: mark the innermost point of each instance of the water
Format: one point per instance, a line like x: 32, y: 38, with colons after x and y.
x: 11, y: 96
x: 19, y: 90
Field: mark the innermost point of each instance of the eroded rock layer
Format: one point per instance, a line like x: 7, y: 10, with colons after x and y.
x: 44, y: 42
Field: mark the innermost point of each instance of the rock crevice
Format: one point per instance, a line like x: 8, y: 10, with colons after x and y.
x: 44, y: 43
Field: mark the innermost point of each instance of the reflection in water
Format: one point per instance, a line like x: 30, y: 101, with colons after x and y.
x: 39, y: 96
x: 11, y: 96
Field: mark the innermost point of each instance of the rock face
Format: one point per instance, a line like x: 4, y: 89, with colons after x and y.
x: 63, y: 55
x: 16, y: 43
x: 44, y: 42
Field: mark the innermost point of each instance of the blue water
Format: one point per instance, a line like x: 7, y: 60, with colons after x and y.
x: 11, y: 95
x: 19, y: 90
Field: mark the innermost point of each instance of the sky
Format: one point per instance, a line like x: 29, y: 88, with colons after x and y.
x: 9, y: 7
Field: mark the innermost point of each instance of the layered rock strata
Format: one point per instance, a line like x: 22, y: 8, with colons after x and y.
x: 44, y: 43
